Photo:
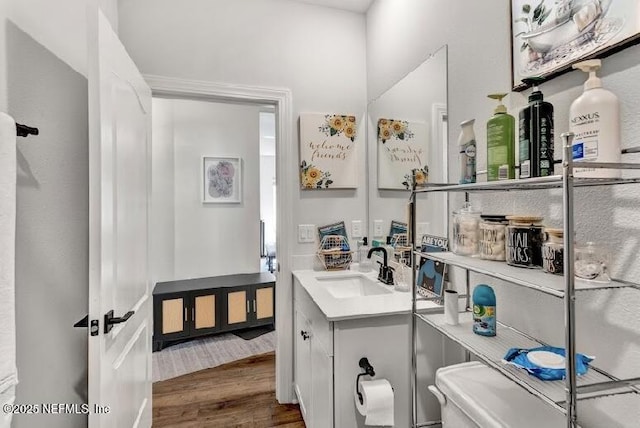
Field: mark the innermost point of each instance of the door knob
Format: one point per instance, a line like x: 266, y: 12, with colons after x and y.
x: 110, y: 320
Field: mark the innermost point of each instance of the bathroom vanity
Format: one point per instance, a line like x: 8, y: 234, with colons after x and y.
x: 341, y: 317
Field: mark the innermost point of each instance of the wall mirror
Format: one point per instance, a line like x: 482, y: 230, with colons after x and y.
x: 407, y: 129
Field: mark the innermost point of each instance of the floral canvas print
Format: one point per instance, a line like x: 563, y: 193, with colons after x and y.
x: 548, y: 36
x: 222, y: 180
x: 402, y: 151
x: 327, y: 151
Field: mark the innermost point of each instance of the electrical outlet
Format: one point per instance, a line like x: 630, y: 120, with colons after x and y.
x: 377, y: 229
x: 305, y: 233
x: 356, y: 229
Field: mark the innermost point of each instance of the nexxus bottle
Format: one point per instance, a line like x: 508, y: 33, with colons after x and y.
x: 536, y: 135
x: 595, y: 120
x: 500, y: 143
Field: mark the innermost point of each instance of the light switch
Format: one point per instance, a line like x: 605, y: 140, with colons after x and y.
x: 356, y: 229
x: 377, y: 229
x: 305, y: 233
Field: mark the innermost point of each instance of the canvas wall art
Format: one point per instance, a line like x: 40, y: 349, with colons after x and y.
x: 548, y: 36
x: 221, y: 180
x: 328, y: 151
x: 402, y: 148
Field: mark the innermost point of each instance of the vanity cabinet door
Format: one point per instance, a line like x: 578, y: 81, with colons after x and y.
x: 303, y: 365
x: 321, y: 386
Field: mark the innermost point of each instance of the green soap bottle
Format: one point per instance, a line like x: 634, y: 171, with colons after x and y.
x: 500, y: 143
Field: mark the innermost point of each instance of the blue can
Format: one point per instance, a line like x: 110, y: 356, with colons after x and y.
x: 484, y: 310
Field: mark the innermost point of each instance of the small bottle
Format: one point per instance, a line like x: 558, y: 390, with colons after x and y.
x: 500, y: 143
x: 365, y: 262
x: 484, y: 310
x: 467, y: 147
x: 391, y: 251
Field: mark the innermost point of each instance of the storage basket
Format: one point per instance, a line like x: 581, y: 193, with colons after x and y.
x: 334, y: 252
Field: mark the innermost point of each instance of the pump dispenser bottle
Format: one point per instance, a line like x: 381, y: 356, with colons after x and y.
x: 595, y: 120
x: 500, y: 143
x: 536, y: 135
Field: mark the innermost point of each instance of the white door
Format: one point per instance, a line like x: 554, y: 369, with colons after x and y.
x: 119, y: 142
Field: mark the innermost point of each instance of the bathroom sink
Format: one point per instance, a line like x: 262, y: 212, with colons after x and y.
x: 351, y: 285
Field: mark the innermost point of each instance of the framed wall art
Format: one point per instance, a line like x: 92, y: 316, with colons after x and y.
x: 548, y: 36
x: 402, y: 148
x: 221, y: 180
x: 327, y: 151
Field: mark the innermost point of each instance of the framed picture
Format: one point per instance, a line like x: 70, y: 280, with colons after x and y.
x: 548, y: 36
x: 402, y: 149
x: 328, y: 151
x: 221, y: 180
x: 431, y: 273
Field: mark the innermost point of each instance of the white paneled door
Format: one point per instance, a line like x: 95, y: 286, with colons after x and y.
x: 119, y: 289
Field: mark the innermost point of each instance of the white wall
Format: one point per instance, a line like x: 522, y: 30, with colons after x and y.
x: 215, y: 239
x: 318, y: 53
x: 478, y: 37
x: 162, y: 255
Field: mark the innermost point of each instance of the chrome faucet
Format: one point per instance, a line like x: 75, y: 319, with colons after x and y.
x: 385, y: 275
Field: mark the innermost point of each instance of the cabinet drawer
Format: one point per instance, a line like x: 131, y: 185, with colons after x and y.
x: 321, y: 328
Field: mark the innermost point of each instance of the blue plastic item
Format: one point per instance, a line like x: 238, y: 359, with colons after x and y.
x: 518, y: 357
x: 484, y: 310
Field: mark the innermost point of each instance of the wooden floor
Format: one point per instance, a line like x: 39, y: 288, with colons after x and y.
x: 238, y: 394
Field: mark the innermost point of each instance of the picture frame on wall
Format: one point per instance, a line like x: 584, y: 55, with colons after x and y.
x: 549, y: 36
x: 221, y: 180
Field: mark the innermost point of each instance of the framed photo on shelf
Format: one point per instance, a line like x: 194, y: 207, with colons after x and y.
x: 431, y: 273
x: 221, y: 180
x: 548, y: 36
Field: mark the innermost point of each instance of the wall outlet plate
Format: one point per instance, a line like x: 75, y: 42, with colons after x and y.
x: 306, y: 233
x: 356, y: 229
x: 377, y: 229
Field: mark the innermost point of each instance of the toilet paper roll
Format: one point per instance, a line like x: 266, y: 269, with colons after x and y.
x: 451, y: 307
x: 377, y: 402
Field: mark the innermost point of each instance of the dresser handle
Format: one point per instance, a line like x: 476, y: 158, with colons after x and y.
x: 193, y: 314
x: 186, y: 317
x: 254, y: 306
x: 248, y: 309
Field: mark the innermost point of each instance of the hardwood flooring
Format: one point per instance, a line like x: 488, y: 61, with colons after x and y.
x: 238, y: 394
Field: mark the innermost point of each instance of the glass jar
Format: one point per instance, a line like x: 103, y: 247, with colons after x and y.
x: 524, y: 241
x: 493, y: 232
x: 465, y: 231
x: 592, y: 262
x: 553, y: 251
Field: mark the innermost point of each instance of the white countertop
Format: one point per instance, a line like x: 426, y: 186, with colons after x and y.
x: 335, y: 309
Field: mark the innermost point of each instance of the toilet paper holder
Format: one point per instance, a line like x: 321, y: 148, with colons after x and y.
x: 368, y: 370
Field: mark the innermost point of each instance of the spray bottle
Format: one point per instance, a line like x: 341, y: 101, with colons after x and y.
x: 595, y: 120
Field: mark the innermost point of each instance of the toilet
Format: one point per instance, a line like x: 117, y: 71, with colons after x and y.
x: 473, y: 395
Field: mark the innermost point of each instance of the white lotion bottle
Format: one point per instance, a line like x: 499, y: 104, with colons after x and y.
x: 595, y: 120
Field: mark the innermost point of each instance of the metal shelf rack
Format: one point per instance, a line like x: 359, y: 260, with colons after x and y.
x: 564, y: 287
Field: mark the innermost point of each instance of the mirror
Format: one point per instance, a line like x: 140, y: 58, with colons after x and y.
x: 407, y: 129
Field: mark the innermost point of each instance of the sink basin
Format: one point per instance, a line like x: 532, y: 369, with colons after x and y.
x: 351, y: 285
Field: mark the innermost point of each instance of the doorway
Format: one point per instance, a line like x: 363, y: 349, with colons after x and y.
x: 280, y: 101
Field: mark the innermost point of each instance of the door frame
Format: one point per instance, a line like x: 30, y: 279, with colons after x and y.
x: 281, y: 99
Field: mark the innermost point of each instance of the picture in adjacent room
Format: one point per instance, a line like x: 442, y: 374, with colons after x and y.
x: 402, y: 148
x: 221, y: 180
x: 548, y: 36
x: 327, y: 151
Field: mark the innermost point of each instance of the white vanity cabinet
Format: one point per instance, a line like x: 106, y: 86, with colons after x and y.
x: 313, y: 373
x: 327, y: 351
